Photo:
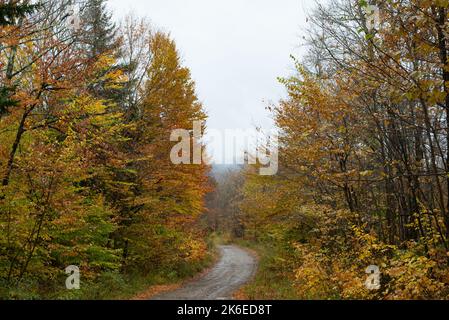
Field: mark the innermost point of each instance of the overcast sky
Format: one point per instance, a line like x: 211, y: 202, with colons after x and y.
x: 235, y: 49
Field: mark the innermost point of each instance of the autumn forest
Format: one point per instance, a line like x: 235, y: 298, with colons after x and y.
x: 87, y: 108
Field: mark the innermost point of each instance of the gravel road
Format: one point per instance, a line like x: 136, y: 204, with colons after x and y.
x: 235, y: 268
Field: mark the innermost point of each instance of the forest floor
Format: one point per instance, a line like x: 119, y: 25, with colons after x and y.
x: 234, y: 269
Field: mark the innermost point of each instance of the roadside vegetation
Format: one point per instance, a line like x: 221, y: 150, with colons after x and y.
x: 363, y: 157
x: 86, y: 111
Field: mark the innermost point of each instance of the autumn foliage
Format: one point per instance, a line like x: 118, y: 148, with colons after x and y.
x: 364, y: 136
x: 85, y: 140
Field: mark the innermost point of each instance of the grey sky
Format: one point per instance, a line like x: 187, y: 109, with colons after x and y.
x: 235, y: 49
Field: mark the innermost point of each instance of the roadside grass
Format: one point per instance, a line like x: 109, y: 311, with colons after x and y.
x: 141, y: 288
x: 114, y: 285
x: 126, y: 287
x: 274, y: 278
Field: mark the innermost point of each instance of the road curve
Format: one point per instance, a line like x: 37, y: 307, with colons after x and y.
x: 235, y: 268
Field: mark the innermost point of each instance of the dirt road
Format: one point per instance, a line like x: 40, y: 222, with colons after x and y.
x: 234, y: 269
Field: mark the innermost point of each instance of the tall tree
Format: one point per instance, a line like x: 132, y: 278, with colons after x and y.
x: 170, y: 196
x: 99, y: 33
x: 10, y: 12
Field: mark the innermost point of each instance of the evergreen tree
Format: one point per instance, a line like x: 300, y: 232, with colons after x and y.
x: 5, y: 99
x: 99, y: 36
x: 100, y: 32
x: 10, y: 11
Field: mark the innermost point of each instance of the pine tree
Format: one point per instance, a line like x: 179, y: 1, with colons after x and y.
x: 12, y: 10
x: 9, y: 13
x: 99, y: 32
x: 5, y: 99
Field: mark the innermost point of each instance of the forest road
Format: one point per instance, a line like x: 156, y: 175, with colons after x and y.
x: 235, y: 268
